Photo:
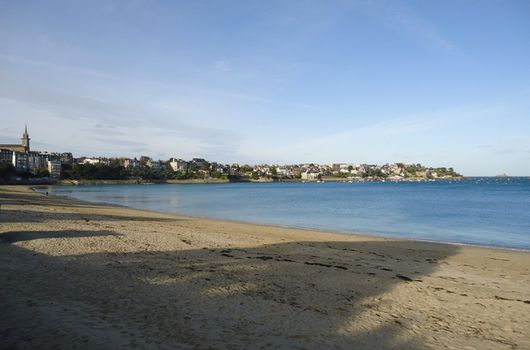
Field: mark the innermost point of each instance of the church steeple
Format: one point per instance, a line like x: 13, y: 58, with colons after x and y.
x: 25, y: 138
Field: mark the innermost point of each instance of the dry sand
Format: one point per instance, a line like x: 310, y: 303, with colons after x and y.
x: 85, y: 276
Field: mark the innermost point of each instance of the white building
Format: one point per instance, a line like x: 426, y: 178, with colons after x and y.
x: 307, y: 175
x: 155, y: 165
x: 131, y: 163
x: 54, y: 168
x: 92, y: 161
x: 178, y: 164
x: 20, y: 161
x: 284, y: 172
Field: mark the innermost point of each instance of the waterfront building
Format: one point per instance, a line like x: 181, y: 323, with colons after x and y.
x: 155, y: 165
x: 344, y: 171
x: 54, y: 168
x: 283, y: 172
x: 131, y: 163
x: 98, y: 160
x: 144, y: 160
x: 6, y: 156
x: 36, y: 161
x: 310, y: 175
x: 20, y: 161
x: 90, y: 161
x: 178, y: 164
x: 23, y: 147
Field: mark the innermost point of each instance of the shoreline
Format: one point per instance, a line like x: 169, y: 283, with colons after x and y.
x: 214, y: 181
x: 309, y: 229
x: 75, y: 273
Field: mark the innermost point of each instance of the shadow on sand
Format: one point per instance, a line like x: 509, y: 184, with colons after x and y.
x: 301, y: 295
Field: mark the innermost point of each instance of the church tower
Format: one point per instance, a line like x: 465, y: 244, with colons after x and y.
x: 25, y: 139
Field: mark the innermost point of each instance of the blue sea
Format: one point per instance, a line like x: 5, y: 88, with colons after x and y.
x: 482, y: 211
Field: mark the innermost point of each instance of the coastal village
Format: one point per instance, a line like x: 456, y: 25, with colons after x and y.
x: 19, y: 163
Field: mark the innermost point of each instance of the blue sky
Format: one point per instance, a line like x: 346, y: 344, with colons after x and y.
x: 444, y: 83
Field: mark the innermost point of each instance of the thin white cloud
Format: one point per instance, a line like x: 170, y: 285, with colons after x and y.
x: 400, y: 16
x: 90, y: 103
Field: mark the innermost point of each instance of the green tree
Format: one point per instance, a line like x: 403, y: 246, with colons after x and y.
x: 95, y: 172
x: 7, y: 170
x: 246, y: 168
x: 42, y: 172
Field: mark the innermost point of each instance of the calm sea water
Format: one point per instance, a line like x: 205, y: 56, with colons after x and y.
x: 484, y: 211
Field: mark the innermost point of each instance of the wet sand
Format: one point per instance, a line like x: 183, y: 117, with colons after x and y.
x: 86, y: 276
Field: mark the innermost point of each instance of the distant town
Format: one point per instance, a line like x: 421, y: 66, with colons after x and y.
x: 18, y: 163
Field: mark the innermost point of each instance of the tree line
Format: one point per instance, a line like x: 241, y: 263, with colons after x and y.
x: 115, y: 171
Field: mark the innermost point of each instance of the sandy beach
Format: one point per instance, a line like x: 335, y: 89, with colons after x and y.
x: 87, y: 276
